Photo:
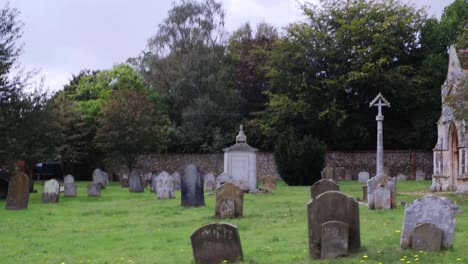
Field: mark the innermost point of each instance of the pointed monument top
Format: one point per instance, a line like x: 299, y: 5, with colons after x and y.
x: 241, y: 137
x: 378, y: 101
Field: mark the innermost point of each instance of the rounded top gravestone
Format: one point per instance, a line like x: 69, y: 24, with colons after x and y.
x: 18, y: 192
x: 192, y: 187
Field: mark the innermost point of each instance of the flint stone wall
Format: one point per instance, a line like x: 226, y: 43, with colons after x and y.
x: 404, y: 162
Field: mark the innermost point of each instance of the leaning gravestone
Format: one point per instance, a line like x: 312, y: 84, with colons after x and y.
x: 164, y: 186
x: 229, y: 201
x: 134, y: 183
x: 99, y: 177
x: 363, y: 177
x: 381, y: 192
x: 18, y: 192
x: 269, y: 183
x: 426, y: 237
x: 223, y: 178
x: 94, y: 189
x: 216, y: 243
x: 176, y: 177
x: 209, y: 182
x: 68, y: 179
x: 70, y: 190
x: 124, y: 182
x: 439, y: 211
x: 51, y: 191
x: 332, y: 206
x: 340, y: 173
x: 192, y: 187
x: 335, y: 239
x: 328, y: 173
x: 321, y: 186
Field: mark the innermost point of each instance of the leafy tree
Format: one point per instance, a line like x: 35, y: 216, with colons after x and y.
x: 131, y: 125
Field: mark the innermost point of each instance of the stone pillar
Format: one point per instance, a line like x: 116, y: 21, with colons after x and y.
x: 380, y: 153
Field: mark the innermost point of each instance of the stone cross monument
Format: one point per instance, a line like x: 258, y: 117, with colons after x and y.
x: 379, y: 101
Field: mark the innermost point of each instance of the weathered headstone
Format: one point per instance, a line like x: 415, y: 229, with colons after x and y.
x: 439, y: 211
x: 192, y: 187
x: 328, y: 173
x: 164, y: 186
x: 335, y: 238
x: 70, y: 190
x: 229, y: 201
x: 426, y: 237
x: 134, y: 183
x: 215, y: 243
x: 124, y: 182
x: 339, y: 173
x: 381, y: 192
x: 51, y: 191
x: 321, y: 186
x: 94, y: 189
x: 68, y: 179
x: 332, y: 206
x: 223, y: 178
x: 176, y: 177
x: 99, y: 177
x: 401, y: 177
x: 209, y: 182
x: 269, y: 183
x: 18, y: 192
x: 363, y: 177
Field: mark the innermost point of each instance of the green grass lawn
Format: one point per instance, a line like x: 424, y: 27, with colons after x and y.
x: 123, y: 227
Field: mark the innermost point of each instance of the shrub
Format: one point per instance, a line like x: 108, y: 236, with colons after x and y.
x: 299, y: 160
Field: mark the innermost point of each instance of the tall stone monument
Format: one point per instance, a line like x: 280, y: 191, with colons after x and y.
x: 192, y: 187
x: 381, y: 189
x: 240, y: 161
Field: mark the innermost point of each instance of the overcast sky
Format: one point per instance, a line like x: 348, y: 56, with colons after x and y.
x: 63, y: 37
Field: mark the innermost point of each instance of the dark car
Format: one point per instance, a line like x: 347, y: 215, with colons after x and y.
x: 48, y: 170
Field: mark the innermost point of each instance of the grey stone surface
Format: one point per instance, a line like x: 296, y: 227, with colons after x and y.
x: 328, y: 173
x: 154, y: 182
x: 209, y: 182
x: 192, y: 187
x: 229, y: 201
x: 18, y: 192
x: 334, y: 239
x: 381, y: 192
x: 321, y: 186
x: 94, y: 189
x: 68, y: 179
x: 70, y: 190
x: 215, y: 243
x: 401, y: 177
x: 100, y: 177
x: 176, y: 177
x: 439, y: 211
x: 363, y: 177
x: 223, y: 178
x: 134, y: 183
x: 426, y: 237
x: 164, y: 186
x: 332, y: 206
x: 51, y: 192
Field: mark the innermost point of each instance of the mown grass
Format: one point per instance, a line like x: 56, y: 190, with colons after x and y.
x: 123, y: 227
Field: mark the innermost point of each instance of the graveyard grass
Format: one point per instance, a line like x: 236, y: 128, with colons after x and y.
x: 123, y: 227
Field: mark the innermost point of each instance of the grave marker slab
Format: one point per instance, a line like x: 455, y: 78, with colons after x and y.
x: 426, y: 237
x: 164, y: 186
x: 340, y: 173
x: 334, y: 239
x: 134, y: 183
x: 192, y: 187
x: 68, y: 179
x: 328, y: 173
x: 51, y: 192
x: 363, y: 177
x: 209, y: 182
x: 70, y: 190
x: 94, y: 189
x: 269, y: 183
x: 381, y: 192
x: 223, y: 178
x: 18, y: 192
x: 124, y: 182
x: 229, y: 201
x: 321, y: 186
x: 100, y: 177
x: 176, y: 177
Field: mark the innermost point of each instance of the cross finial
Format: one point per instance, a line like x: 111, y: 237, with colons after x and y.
x: 379, y: 101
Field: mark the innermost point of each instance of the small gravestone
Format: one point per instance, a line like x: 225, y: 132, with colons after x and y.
x: 70, y: 190
x: 124, y: 182
x: 340, y: 173
x: 68, y: 179
x: 176, y: 177
x: 223, y: 178
x: 363, y: 177
x: 439, y: 211
x: 134, y: 183
x: 99, y: 177
x: 229, y: 201
x: 164, y: 186
x: 332, y: 206
x: 269, y: 183
x: 94, y: 189
x: 381, y: 192
x: 321, y: 186
x: 192, y: 187
x: 328, y: 173
x: 426, y: 237
x: 51, y: 191
x: 18, y: 192
x: 209, y: 182
x: 334, y: 239
x: 216, y: 243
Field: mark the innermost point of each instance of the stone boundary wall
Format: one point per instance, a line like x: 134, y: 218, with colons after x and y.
x: 408, y: 163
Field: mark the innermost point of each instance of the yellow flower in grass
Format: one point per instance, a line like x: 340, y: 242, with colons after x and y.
x: 397, y: 231
x: 365, y: 256
x: 378, y: 251
x: 362, y: 261
x: 459, y: 259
